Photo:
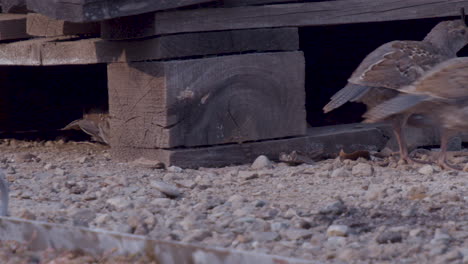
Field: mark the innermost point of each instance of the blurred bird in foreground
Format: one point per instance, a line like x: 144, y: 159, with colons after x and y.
x: 441, y: 94
x: 395, y: 64
x: 94, y: 124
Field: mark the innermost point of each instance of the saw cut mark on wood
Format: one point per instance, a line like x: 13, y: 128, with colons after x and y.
x: 96, y: 10
x: 41, y: 236
x: 270, y: 16
x: 43, y: 26
x: 207, y: 101
x: 13, y: 26
x: 320, y: 142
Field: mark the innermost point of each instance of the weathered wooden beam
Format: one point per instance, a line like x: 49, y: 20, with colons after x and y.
x: 300, y: 14
x: 27, y: 52
x: 43, y: 26
x: 207, y: 101
x: 42, y: 236
x: 232, y: 3
x: 13, y: 26
x: 96, y: 10
x: 319, y: 142
x: 14, y: 6
x: 90, y: 51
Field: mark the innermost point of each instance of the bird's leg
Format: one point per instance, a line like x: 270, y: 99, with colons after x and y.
x: 442, y: 160
x: 397, y: 124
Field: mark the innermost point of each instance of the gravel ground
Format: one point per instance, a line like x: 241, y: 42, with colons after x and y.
x: 333, y: 211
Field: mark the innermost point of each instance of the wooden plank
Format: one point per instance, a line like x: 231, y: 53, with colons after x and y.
x: 207, y: 101
x: 27, y: 53
x: 97, y: 10
x: 43, y: 26
x: 14, y: 6
x: 232, y: 3
x: 44, y: 236
x: 299, y: 14
x: 320, y: 141
x: 89, y: 51
x: 13, y: 26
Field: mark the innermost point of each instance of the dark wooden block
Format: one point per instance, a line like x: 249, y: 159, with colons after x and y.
x: 43, y: 26
x: 207, y: 101
x: 89, y: 51
x: 270, y: 16
x: 320, y: 141
x: 13, y: 26
x: 97, y: 10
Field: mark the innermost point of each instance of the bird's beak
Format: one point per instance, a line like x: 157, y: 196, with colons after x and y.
x: 462, y: 13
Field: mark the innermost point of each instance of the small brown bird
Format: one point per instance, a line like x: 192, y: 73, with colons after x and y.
x: 94, y: 124
x: 393, y: 65
x: 441, y: 94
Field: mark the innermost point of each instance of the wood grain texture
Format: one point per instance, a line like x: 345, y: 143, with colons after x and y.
x: 97, y: 10
x: 43, y: 26
x: 207, y: 101
x: 13, y: 26
x: 298, y: 14
x: 232, y: 3
x: 27, y: 52
x: 324, y: 141
x: 89, y: 51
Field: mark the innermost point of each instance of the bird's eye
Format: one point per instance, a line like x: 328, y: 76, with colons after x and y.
x: 462, y: 32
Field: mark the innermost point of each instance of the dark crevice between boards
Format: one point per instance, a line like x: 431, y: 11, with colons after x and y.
x: 37, y: 101
x: 332, y: 54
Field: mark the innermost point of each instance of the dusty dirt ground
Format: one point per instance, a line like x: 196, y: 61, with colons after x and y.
x: 332, y: 211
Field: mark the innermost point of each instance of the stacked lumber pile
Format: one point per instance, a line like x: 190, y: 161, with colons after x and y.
x: 194, y: 82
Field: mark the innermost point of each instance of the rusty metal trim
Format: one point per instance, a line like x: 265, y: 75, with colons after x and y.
x: 42, y: 235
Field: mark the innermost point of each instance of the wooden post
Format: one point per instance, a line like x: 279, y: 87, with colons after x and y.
x: 210, y: 101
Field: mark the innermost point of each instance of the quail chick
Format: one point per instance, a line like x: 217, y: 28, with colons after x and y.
x: 395, y: 64
x: 94, y: 124
x: 440, y: 94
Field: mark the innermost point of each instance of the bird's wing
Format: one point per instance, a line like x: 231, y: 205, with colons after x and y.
x: 396, y: 64
x: 446, y: 81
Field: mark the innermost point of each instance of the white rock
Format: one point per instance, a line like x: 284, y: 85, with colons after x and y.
x: 338, y: 230
x: 336, y: 241
x: 261, y: 162
x: 340, y: 172
x: 426, y: 170
x: 362, y: 169
x: 166, y: 188
x: 174, y: 169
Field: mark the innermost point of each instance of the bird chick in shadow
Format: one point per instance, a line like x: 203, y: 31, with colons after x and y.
x: 94, y: 124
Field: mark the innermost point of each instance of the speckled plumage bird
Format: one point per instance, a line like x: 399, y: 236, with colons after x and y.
x: 94, y: 124
x: 440, y: 94
x: 399, y: 63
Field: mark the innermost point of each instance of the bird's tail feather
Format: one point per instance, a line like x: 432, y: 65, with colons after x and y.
x: 351, y: 92
x: 393, y: 106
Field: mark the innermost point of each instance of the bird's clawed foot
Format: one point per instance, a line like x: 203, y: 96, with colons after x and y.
x: 443, y: 163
